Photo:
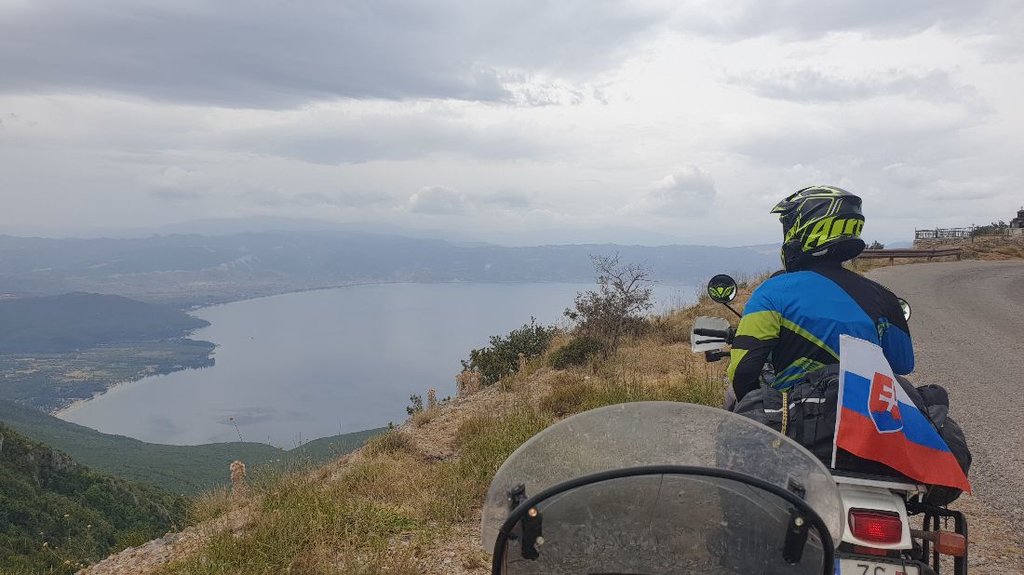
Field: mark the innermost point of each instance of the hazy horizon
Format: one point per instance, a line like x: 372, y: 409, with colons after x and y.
x: 238, y: 226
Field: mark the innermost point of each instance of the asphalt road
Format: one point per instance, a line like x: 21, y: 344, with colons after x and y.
x: 968, y: 331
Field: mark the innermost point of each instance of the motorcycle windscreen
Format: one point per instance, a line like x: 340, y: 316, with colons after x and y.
x: 661, y: 524
x: 633, y: 435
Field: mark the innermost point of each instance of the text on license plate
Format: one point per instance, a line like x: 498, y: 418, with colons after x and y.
x: 858, y: 567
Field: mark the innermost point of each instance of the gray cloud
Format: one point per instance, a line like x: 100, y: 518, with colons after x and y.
x: 267, y: 53
x: 340, y: 199
x: 506, y: 199
x: 809, y: 85
x: 349, y: 138
x: 862, y: 137
x: 175, y: 196
x: 910, y: 175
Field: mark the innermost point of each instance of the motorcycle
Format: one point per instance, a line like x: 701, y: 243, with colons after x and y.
x: 652, y: 488
x: 877, y: 538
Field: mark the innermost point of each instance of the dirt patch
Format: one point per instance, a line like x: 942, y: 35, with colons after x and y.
x: 994, y: 547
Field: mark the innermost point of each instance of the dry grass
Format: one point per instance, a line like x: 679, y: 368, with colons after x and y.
x: 423, y: 417
x: 993, y: 251
x: 980, y: 248
x: 409, y: 501
x: 391, y: 441
x: 384, y: 513
x: 210, y: 505
x: 863, y: 266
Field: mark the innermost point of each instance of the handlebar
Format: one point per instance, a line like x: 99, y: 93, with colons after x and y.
x: 718, y: 333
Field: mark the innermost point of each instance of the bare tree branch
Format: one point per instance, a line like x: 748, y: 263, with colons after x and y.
x: 623, y: 296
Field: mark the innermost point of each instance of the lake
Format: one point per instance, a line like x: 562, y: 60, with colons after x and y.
x: 299, y: 366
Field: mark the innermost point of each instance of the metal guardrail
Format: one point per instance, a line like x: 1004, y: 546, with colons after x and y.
x: 891, y: 255
x: 971, y: 232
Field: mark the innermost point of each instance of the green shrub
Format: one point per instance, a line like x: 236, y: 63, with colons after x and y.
x: 501, y: 358
x: 617, y: 307
x: 415, y: 404
x: 576, y: 352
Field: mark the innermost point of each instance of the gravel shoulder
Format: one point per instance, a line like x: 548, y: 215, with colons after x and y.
x: 968, y: 332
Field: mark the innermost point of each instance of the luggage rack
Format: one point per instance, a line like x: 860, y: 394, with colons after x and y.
x: 900, y: 483
x: 934, y: 518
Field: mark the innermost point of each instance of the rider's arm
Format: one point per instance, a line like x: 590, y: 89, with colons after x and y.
x: 896, y: 344
x: 756, y: 336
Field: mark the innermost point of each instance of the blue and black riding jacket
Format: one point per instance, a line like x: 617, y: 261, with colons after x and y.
x: 794, y: 321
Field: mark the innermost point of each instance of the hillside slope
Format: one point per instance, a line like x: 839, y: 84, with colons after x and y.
x: 69, y: 322
x: 409, y: 501
x: 55, y: 350
x: 56, y: 515
x: 186, y: 469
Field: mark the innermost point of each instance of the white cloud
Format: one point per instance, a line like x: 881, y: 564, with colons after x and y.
x: 438, y: 200
x: 811, y: 19
x: 817, y: 86
x: 687, y: 192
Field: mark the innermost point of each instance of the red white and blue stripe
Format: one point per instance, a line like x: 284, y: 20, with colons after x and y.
x: 878, y: 421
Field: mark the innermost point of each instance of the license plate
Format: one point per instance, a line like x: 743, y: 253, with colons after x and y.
x: 868, y: 567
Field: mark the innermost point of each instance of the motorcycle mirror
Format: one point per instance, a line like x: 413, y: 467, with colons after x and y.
x: 722, y: 289
x: 905, y: 307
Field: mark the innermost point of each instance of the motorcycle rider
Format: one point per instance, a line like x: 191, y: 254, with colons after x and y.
x: 794, y: 319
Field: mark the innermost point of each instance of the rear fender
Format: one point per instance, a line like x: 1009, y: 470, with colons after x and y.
x: 875, y: 499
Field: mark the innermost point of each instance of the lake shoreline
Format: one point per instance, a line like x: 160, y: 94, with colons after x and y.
x: 325, y: 361
x: 79, y: 402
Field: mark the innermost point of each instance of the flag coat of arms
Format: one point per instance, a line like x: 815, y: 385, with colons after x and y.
x: 878, y: 421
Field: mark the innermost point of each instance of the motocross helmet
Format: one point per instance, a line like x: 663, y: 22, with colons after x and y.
x: 820, y: 222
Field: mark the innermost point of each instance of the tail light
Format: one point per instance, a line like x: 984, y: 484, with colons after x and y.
x: 876, y: 526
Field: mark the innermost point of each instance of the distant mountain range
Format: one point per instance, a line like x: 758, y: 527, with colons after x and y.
x: 195, y: 269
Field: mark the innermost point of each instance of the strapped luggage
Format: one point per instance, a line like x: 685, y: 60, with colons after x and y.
x: 810, y: 420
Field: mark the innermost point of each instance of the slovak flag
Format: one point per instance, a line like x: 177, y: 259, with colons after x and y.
x: 878, y: 421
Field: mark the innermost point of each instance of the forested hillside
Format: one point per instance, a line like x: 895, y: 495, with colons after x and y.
x: 56, y: 515
x: 186, y: 469
x: 55, y: 350
x: 69, y: 322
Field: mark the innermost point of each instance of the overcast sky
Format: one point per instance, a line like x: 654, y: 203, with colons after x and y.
x: 513, y: 122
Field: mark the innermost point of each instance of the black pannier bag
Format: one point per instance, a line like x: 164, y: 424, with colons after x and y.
x: 811, y: 422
